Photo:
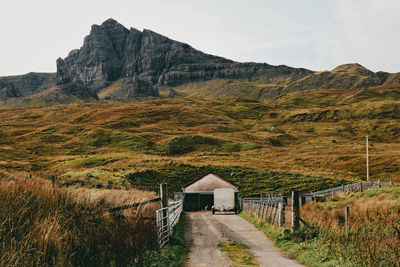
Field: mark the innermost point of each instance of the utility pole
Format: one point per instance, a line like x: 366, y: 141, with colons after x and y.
x: 367, y: 158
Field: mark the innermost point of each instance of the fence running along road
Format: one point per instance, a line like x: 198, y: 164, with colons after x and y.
x: 343, y: 188
x: 166, y: 219
x: 278, y: 198
x: 274, y: 213
x: 276, y: 210
x: 128, y: 206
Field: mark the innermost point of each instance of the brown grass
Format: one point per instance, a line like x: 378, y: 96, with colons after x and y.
x: 374, y: 235
x: 45, y: 226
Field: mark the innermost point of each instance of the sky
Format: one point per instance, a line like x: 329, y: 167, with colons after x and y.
x: 314, y: 34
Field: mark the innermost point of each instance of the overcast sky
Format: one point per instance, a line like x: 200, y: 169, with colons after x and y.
x: 315, y: 34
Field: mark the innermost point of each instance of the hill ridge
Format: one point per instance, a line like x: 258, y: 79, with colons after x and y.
x: 120, y: 64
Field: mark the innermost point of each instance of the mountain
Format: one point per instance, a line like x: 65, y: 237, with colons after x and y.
x: 144, y: 62
x: 120, y: 64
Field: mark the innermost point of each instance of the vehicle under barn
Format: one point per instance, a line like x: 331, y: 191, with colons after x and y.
x: 199, y: 194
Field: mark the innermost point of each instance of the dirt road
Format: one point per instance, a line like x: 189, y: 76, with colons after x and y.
x: 206, y: 231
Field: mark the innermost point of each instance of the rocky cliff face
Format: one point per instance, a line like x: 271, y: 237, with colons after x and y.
x: 25, y: 85
x: 148, y: 61
x: 7, y: 90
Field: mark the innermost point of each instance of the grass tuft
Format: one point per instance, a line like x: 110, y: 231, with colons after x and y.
x: 238, y: 253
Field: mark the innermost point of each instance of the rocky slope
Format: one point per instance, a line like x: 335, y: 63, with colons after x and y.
x: 116, y: 63
x: 25, y: 85
x: 148, y: 61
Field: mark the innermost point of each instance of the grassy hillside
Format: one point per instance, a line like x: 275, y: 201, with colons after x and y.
x: 261, y: 146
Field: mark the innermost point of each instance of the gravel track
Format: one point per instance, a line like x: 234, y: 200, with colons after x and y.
x: 205, y: 231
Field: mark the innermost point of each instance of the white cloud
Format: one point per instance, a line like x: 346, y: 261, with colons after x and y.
x: 364, y: 31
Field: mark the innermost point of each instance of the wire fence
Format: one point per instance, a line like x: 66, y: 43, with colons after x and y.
x: 276, y: 213
x: 343, y: 188
x: 110, y: 185
x: 277, y: 209
x: 305, y: 198
x: 128, y: 206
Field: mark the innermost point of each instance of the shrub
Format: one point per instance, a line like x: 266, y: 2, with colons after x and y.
x: 303, y: 233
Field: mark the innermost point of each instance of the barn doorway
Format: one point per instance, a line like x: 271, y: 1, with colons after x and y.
x: 206, y: 201
x: 198, y: 201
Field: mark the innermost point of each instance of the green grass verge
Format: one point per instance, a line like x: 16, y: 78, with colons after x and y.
x: 174, y: 253
x: 305, y: 247
x: 238, y: 253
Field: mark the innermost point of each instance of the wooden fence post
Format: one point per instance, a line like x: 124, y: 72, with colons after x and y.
x: 361, y: 187
x: 390, y: 182
x: 295, y: 210
x: 265, y: 211
x: 281, y: 217
x: 342, y: 188
x: 379, y: 183
x: 275, y: 211
x: 164, y: 203
x: 346, y: 218
x: 270, y: 210
x: 262, y: 211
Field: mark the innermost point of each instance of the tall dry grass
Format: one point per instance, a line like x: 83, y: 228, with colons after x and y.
x: 45, y: 226
x: 373, y: 238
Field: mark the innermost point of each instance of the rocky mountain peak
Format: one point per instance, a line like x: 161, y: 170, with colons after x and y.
x: 111, y: 52
x: 148, y: 61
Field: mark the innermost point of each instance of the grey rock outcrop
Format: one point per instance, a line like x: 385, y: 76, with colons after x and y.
x: 149, y: 61
x: 8, y: 91
x: 71, y: 86
x: 25, y: 85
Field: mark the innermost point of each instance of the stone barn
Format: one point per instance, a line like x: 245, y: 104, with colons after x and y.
x: 199, y: 194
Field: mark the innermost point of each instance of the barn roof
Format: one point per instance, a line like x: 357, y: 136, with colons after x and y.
x: 219, y: 177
